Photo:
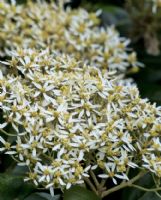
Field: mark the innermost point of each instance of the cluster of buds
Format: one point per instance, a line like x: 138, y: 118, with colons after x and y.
x: 77, y: 33
x: 70, y: 120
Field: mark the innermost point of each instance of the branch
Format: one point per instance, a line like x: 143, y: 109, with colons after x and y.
x: 145, y: 189
x: 158, y: 194
x: 102, y: 183
x: 90, y: 184
x: 8, y: 134
x: 94, y: 179
x: 123, y: 185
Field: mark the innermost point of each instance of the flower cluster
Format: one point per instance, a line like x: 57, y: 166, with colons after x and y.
x: 75, y: 32
x: 156, y: 5
x: 70, y: 119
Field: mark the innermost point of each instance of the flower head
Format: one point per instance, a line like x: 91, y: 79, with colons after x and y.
x: 44, y: 25
x: 71, y: 118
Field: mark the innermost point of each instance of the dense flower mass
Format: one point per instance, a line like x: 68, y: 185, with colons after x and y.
x: 75, y: 32
x: 70, y: 119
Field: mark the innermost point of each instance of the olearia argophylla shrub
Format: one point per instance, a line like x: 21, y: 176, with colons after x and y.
x: 76, y: 32
x: 72, y: 123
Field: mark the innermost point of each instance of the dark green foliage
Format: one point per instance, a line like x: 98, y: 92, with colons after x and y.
x: 13, y: 187
x: 79, y: 193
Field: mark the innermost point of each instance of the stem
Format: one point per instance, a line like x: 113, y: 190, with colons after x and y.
x: 90, y: 184
x: 102, y: 183
x: 158, y: 194
x: 127, y: 172
x: 15, y: 159
x: 123, y: 185
x: 8, y: 134
x: 145, y: 189
x: 94, y: 179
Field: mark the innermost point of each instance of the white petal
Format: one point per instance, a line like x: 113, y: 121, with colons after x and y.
x: 103, y: 175
x: 114, y: 181
x: 11, y: 152
x: 3, y: 125
x: 68, y: 185
x: 52, y: 191
x: 2, y: 140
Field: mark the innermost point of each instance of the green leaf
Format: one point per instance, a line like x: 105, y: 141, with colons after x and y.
x: 13, y: 187
x: 136, y: 194
x: 111, y: 15
x: 120, y: 15
x: 80, y: 193
x: 42, y: 196
x: 114, y: 15
x: 149, y: 196
x: 19, y: 170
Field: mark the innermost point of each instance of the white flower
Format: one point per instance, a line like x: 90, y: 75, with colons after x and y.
x: 111, y: 173
x: 71, y: 118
